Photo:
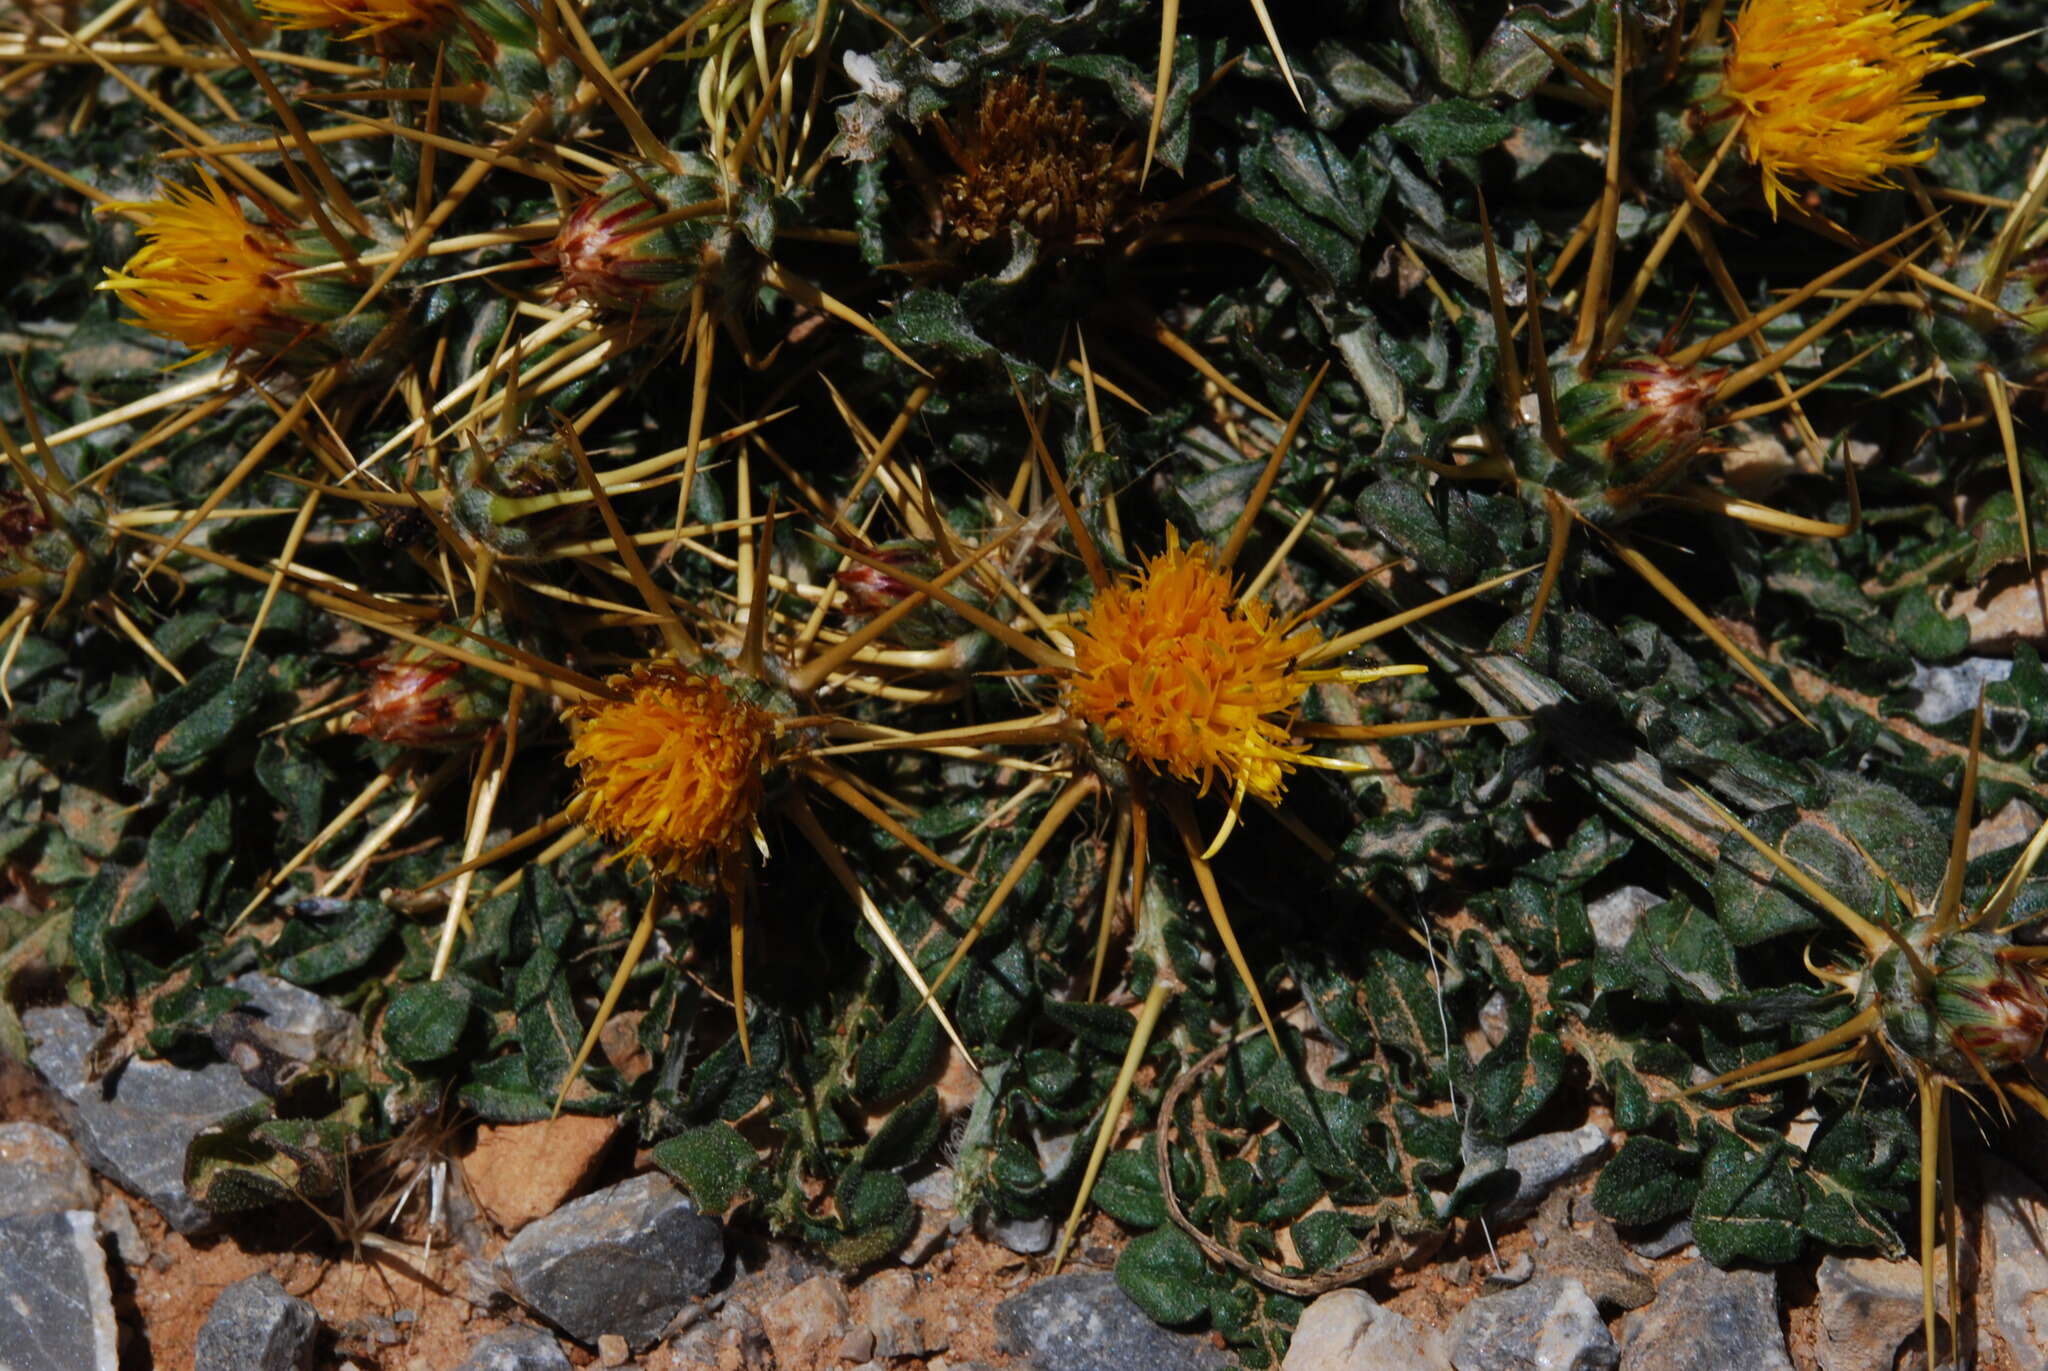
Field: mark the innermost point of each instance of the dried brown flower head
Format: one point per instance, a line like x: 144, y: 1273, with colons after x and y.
x: 1033, y: 159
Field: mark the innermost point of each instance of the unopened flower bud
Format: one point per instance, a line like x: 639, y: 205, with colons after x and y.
x: 1639, y: 421
x: 504, y: 499
x: 420, y: 698
x: 1977, y: 1004
x: 870, y: 590
x: 59, y: 554
x: 640, y: 245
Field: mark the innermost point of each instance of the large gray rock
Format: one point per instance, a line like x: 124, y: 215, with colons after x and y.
x: 1868, y: 1310
x: 2016, y: 1221
x: 41, y: 1173
x: 1706, y: 1317
x: 1081, y: 1321
x: 516, y: 1349
x: 1347, y: 1330
x: 134, y: 1127
x: 56, y: 1307
x: 1545, y: 1325
x: 624, y: 1260
x: 255, y: 1326
x: 1544, y: 1162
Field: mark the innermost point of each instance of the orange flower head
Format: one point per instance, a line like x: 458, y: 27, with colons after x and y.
x: 1829, y: 91
x: 1189, y: 679
x: 672, y: 771
x: 207, y: 277
x: 356, y: 20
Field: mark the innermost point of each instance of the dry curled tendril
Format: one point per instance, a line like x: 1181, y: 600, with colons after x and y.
x: 1403, y: 1250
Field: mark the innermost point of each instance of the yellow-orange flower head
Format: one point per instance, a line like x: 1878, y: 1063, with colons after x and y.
x: 1829, y: 90
x: 359, y: 19
x: 672, y: 772
x: 205, y: 276
x: 1188, y: 680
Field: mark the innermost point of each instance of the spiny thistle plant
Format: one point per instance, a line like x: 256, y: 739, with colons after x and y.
x: 797, y: 575
x: 1941, y: 994
x: 1173, y: 675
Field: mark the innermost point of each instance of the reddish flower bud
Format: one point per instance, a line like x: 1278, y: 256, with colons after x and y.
x: 58, y: 556
x: 631, y: 247
x: 1976, y: 1005
x: 870, y: 590
x: 1640, y: 420
x: 419, y: 698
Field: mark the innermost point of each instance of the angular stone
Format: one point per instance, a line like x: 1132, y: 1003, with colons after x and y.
x: 297, y: 1022
x: 1593, y: 1256
x: 2016, y: 1222
x: 624, y: 1260
x: 135, y: 1126
x: 1493, y: 1019
x: 1025, y: 1237
x: 1868, y: 1310
x: 1348, y: 1330
x: 1081, y: 1321
x: 892, y: 1315
x: 56, y: 1306
x: 255, y: 1326
x: 1949, y: 692
x: 937, y: 1223
x: 805, y: 1325
x: 523, y: 1171
x: 2002, y: 617
x: 1548, y: 1324
x: 515, y: 1349
x: 1662, y: 1241
x: 1614, y: 916
x: 117, y: 1221
x: 1706, y: 1317
x: 41, y: 1173
x: 930, y: 1234
x: 732, y: 1333
x: 282, y: 1029
x: 1549, y: 1160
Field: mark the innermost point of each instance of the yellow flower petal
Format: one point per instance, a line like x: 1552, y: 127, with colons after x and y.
x: 672, y: 771
x: 205, y: 276
x: 1829, y: 90
x: 1187, y: 680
